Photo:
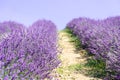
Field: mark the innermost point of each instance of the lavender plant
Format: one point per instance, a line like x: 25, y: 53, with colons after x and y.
x: 101, y: 38
x: 42, y: 47
x: 7, y: 27
x: 29, y: 53
x: 11, y: 50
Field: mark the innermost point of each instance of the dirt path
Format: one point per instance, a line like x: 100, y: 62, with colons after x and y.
x: 69, y: 57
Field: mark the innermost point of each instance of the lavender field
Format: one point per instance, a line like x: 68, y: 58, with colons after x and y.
x: 86, y: 49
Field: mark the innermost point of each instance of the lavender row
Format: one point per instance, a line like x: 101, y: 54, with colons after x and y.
x: 101, y: 38
x: 28, y: 53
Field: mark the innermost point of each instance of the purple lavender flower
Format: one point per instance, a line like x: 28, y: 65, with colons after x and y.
x: 102, y: 38
x: 29, y: 53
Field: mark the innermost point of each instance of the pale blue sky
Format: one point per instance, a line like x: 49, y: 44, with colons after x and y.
x: 58, y: 11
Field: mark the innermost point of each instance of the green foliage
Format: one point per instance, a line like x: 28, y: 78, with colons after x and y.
x: 67, y: 30
x: 96, y: 68
x: 60, y: 70
x: 93, y: 68
x: 76, y: 41
x: 75, y: 67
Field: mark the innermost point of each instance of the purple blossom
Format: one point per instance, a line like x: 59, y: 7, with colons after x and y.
x: 29, y: 53
x: 100, y: 37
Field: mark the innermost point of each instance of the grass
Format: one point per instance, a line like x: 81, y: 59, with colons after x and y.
x: 96, y: 68
x: 67, y: 30
x: 60, y: 70
x: 70, y: 69
x: 92, y: 68
x: 75, y: 67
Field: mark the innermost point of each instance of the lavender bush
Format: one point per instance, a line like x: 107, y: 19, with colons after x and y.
x: 29, y: 53
x: 7, y: 27
x: 42, y: 47
x: 101, y: 38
